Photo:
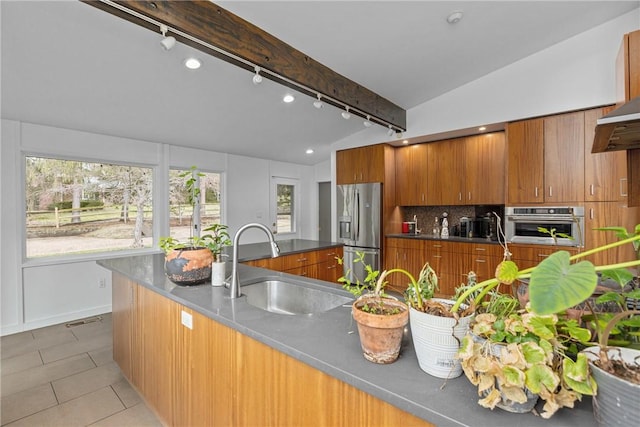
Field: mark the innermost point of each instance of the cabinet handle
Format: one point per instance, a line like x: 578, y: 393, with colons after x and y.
x: 437, y: 256
x: 302, y: 259
x: 481, y: 260
x: 591, y: 189
x: 331, y: 267
x: 481, y: 249
x: 542, y: 255
x: 550, y: 191
x: 469, y: 195
x: 423, y: 197
x: 623, y: 184
x: 304, y: 273
x: 536, y: 192
x: 460, y: 196
x: 437, y: 246
x: 591, y: 213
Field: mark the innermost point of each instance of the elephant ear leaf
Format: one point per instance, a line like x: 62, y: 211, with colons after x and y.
x: 557, y: 285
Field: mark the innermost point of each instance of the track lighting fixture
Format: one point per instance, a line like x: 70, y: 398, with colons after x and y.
x: 390, y: 131
x: 318, y: 103
x: 168, y: 41
x: 398, y: 135
x: 346, y: 114
x: 367, y: 123
x: 257, y: 78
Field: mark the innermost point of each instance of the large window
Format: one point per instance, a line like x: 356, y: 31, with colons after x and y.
x: 208, y: 209
x: 286, y: 205
x: 77, y: 207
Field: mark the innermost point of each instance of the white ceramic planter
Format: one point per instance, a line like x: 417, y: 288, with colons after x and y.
x: 218, y: 273
x: 617, y: 401
x: 437, y: 340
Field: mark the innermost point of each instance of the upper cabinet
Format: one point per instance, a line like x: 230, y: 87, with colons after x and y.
x: 484, y: 173
x: 564, y: 157
x: 605, y: 173
x: 525, y: 161
x: 628, y: 67
x: 411, y: 175
x: 545, y: 159
x: 445, y: 185
x: 362, y: 164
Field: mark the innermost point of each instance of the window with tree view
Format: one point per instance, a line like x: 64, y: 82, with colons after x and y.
x: 77, y: 207
x: 208, y: 208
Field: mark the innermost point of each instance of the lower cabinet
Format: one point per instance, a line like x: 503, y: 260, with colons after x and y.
x: 609, y: 214
x: 321, y: 264
x: 211, y: 374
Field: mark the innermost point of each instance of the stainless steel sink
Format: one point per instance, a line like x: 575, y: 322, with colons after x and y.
x: 287, y: 297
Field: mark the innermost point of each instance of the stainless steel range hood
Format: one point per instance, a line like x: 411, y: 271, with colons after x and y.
x: 619, y: 130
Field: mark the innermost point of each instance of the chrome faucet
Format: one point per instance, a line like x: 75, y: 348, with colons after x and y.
x: 275, y: 251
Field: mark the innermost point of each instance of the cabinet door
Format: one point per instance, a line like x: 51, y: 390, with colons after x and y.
x: 564, y: 158
x: 411, y: 175
x: 605, y: 173
x: 370, y: 163
x: 609, y: 214
x: 446, y: 175
x: 345, y: 174
x: 525, y: 161
x: 484, y: 173
x: 123, y: 320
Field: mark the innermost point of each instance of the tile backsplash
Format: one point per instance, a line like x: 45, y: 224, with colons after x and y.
x: 425, y: 215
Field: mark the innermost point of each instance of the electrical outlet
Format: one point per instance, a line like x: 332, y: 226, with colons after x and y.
x: 187, y: 320
x: 102, y: 283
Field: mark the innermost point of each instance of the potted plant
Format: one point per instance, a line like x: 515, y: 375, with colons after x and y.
x: 215, y: 241
x: 436, y: 330
x: 187, y: 262
x: 381, y: 319
x: 556, y: 284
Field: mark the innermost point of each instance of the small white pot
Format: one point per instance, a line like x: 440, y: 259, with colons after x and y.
x: 218, y: 273
x: 437, y: 340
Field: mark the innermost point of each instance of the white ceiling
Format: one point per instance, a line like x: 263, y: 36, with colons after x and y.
x: 68, y: 64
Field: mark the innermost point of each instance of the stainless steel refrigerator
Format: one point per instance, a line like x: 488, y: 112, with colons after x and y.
x: 359, y: 225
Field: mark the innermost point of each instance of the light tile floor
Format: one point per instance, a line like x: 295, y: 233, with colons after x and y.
x: 65, y: 376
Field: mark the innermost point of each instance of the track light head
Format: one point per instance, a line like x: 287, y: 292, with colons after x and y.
x: 367, y: 123
x: 257, y: 78
x: 167, y: 42
x: 346, y: 114
x: 390, y: 131
x: 318, y: 104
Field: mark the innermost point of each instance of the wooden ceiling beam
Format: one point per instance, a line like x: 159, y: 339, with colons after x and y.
x: 215, y: 26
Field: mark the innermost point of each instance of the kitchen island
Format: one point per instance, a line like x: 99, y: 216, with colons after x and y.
x: 201, y: 358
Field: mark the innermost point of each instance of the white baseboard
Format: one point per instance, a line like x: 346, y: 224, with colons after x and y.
x: 49, y: 321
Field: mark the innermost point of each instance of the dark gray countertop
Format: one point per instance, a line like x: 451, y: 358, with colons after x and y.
x: 402, y: 384
x: 254, y: 251
x: 450, y: 238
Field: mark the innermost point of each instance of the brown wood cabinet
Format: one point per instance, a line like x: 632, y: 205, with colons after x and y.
x: 545, y: 159
x: 321, y: 264
x: 564, y: 158
x: 361, y: 164
x: 412, y: 175
x: 466, y: 171
x: 406, y: 254
x: 525, y: 161
x: 211, y: 374
x: 526, y: 256
x: 485, y: 171
x: 605, y: 173
x: 609, y: 214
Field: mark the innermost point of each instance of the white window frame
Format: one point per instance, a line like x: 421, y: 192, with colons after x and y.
x: 295, y: 221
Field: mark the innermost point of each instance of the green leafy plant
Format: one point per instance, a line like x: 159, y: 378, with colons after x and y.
x: 554, y: 234
x: 216, y: 240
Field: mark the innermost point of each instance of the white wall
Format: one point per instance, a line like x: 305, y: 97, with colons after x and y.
x: 41, y: 292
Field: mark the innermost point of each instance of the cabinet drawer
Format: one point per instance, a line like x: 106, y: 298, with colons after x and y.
x: 299, y: 259
x: 486, y: 250
x: 269, y: 263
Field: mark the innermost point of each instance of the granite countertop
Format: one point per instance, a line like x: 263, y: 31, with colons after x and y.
x: 450, y: 238
x: 403, y: 384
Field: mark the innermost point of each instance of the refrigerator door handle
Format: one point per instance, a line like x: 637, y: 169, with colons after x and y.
x: 356, y: 216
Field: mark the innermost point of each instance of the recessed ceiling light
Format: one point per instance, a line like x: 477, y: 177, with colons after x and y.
x: 288, y: 98
x: 405, y: 142
x: 482, y: 128
x: 309, y: 151
x: 192, y: 63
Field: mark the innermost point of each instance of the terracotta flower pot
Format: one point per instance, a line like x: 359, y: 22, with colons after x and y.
x: 380, y: 334
x: 188, y: 266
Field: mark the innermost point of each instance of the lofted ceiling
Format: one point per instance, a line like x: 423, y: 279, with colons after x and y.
x: 68, y: 64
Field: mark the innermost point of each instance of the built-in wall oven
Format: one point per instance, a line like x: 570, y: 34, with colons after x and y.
x: 523, y: 224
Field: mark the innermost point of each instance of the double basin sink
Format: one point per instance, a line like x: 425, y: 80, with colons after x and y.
x: 288, y: 296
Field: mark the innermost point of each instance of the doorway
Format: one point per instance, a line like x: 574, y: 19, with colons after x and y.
x: 324, y: 211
